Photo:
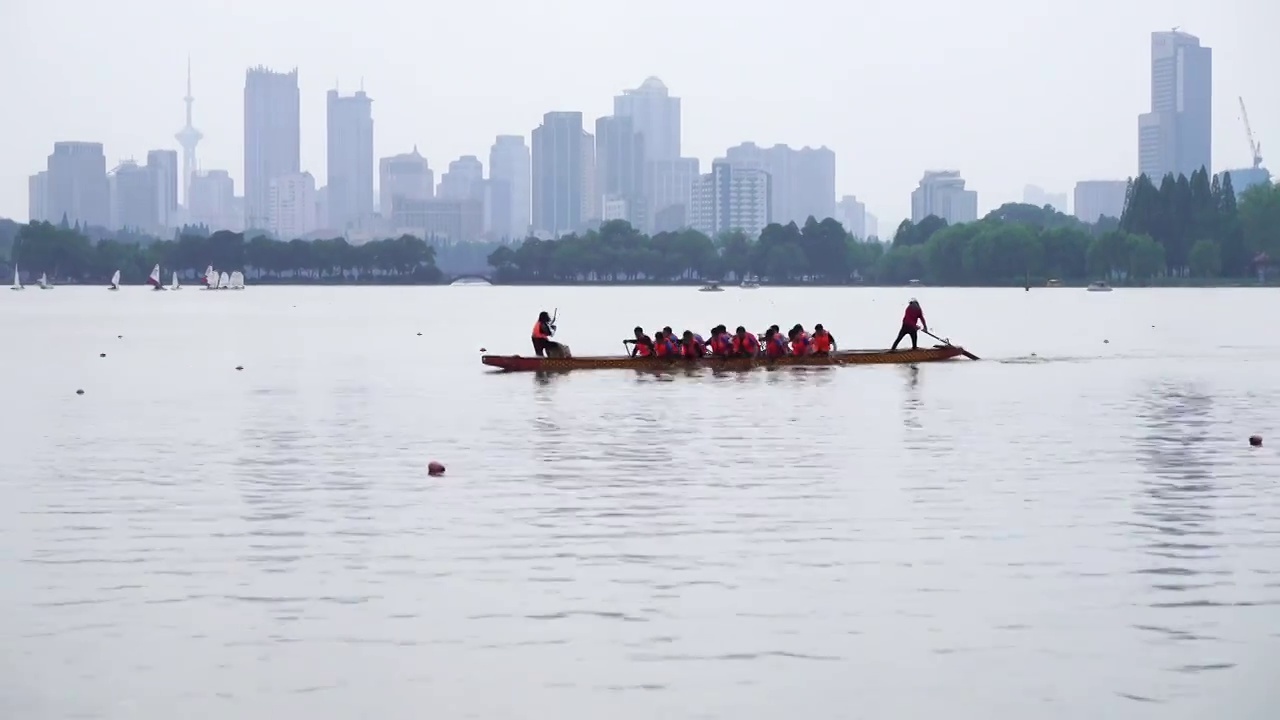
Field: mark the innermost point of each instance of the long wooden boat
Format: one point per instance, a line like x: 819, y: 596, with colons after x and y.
x: 517, y: 363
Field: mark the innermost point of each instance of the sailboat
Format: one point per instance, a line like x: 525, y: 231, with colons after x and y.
x: 210, y: 278
x: 17, y: 284
x: 224, y: 281
x: 237, y: 280
x: 175, y: 285
x: 44, y: 282
x: 154, y: 278
x: 115, y: 281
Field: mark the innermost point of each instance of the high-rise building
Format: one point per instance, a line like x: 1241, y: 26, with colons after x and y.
x: 350, y: 160
x: 731, y: 198
x: 509, y: 176
x: 852, y: 214
x: 804, y: 180
x: 1176, y: 136
x: 38, y: 197
x: 464, y: 180
x: 620, y: 171
x: 76, y: 184
x: 668, y: 185
x: 406, y: 176
x: 212, y: 201
x: 1038, y: 196
x: 873, y: 226
x: 558, y: 173
x: 590, y: 192
x: 1099, y: 198
x: 440, y: 219
x: 272, y: 138
x: 655, y: 115
x: 291, y: 210
x: 163, y: 166
x: 941, y: 193
x: 188, y: 137
x: 132, y: 189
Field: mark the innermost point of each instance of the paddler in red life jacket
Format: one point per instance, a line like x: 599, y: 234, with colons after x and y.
x: 721, y: 343
x: 541, y: 336
x: 775, y: 344
x: 800, y: 341
x: 744, y: 344
x: 643, y: 345
x: 692, y: 346
x: 823, y: 341
x: 663, y: 346
x: 912, y: 316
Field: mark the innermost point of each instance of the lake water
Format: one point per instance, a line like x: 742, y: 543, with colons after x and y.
x: 1075, y: 527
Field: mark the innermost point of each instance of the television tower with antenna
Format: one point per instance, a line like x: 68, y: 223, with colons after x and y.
x: 188, y: 137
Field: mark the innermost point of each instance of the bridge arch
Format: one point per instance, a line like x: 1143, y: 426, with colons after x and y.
x: 471, y: 276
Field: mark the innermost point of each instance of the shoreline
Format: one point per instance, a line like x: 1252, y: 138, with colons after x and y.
x: 695, y: 285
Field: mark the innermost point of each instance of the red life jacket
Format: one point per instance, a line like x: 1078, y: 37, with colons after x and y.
x: 822, y: 341
x: 644, y: 346
x: 913, y: 315
x: 664, y: 348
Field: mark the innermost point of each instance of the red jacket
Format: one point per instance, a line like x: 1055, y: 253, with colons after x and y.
x: 912, y: 316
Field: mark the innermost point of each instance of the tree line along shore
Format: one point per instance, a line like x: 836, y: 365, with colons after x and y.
x: 1186, y: 231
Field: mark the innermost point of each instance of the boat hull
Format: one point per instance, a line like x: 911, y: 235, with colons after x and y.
x: 517, y: 363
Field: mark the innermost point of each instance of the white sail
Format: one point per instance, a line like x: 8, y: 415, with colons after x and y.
x: 175, y: 285
x: 44, y: 282
x: 154, y: 278
x: 237, y: 280
x: 17, y: 284
x: 115, y: 280
x: 224, y: 281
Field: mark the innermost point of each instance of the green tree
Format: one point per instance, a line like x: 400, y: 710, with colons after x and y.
x: 1205, y: 259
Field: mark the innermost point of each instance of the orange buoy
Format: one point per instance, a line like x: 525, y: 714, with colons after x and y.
x: 435, y: 469
x: 1255, y: 440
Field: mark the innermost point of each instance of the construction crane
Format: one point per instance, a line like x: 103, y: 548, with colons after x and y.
x: 1254, y: 147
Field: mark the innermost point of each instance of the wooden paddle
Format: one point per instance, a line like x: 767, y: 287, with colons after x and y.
x: 964, y: 352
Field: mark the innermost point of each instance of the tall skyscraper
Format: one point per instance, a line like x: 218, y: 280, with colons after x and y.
x: 212, y: 201
x: 350, y: 160
x: 941, y: 193
x: 668, y: 185
x: 403, y: 177
x: 655, y: 115
x: 291, y: 212
x: 1176, y: 136
x: 729, y: 199
x: 804, y: 180
x: 38, y: 197
x: 272, y: 138
x: 163, y: 166
x: 620, y: 170
x: 188, y: 137
x: 509, y: 176
x: 558, y: 174
x: 132, y: 189
x: 464, y: 180
x: 76, y: 184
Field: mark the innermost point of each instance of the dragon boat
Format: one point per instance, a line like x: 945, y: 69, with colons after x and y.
x: 518, y: 363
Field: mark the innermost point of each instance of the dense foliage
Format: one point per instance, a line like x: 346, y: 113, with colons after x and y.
x: 1187, y: 227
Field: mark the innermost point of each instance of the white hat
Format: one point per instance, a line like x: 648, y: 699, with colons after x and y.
x: 912, y: 300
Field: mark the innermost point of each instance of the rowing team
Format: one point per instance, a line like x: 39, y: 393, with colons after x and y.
x: 773, y: 343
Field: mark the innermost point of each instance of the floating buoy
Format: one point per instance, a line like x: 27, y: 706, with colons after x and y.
x: 419, y: 334
x: 484, y: 349
x: 119, y: 337
x: 79, y: 392
x: 1255, y: 440
x: 1104, y: 342
x: 435, y: 469
x: 239, y: 367
x: 102, y: 354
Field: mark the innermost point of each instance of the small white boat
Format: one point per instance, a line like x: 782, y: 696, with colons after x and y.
x: 1054, y: 282
x: 115, y: 281
x: 711, y: 287
x: 1098, y: 286
x: 175, y: 285
x: 224, y: 280
x: 750, y: 283
x: 209, y: 279
x: 17, y: 284
x: 44, y: 282
x: 154, y: 279
x: 914, y: 283
x: 237, y: 280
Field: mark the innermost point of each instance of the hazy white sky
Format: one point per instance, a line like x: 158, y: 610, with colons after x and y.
x: 1009, y: 92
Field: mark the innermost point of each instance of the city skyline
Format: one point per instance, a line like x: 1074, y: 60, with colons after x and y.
x: 883, y: 182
